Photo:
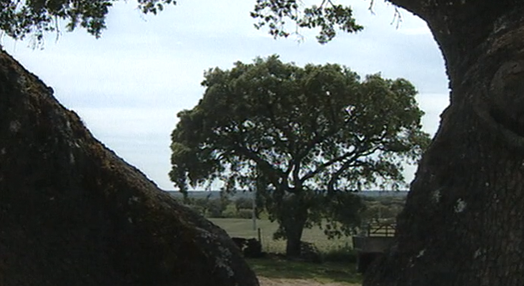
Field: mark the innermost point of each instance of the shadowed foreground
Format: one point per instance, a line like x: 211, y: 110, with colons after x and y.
x: 73, y: 213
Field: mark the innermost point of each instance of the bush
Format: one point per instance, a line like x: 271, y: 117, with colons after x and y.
x: 210, y: 208
x: 243, y: 204
x: 309, y: 252
x: 198, y: 209
x: 244, y: 214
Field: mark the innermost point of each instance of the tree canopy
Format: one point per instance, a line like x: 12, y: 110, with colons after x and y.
x: 19, y: 19
x: 35, y: 17
x: 300, y: 136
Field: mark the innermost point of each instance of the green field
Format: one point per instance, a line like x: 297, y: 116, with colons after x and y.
x: 338, y: 265
x: 343, y: 271
x: 237, y: 227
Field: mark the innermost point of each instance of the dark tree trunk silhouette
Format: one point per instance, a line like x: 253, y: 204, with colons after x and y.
x: 463, y: 221
x: 294, y: 227
x: 74, y: 213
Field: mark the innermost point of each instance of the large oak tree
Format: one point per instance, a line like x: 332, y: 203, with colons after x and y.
x: 301, y: 137
x: 463, y: 223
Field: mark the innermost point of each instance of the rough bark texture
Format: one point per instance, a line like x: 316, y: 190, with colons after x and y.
x: 463, y: 221
x: 73, y: 213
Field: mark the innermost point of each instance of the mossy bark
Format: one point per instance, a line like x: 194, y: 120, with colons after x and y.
x: 74, y: 213
x: 463, y: 223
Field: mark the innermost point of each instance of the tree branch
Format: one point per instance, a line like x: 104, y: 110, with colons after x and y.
x: 296, y: 174
x: 273, y: 174
x: 324, y: 166
x: 359, y: 152
x: 336, y: 175
x: 284, y: 130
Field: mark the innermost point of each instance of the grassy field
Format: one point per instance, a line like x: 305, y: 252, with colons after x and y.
x: 327, y: 272
x: 244, y: 228
x: 339, y: 259
x: 275, y: 267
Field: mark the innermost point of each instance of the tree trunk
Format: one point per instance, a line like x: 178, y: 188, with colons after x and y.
x: 463, y: 223
x: 73, y: 213
x: 293, y: 217
x: 293, y: 229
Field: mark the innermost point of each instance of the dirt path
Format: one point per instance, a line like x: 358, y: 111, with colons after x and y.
x: 296, y: 282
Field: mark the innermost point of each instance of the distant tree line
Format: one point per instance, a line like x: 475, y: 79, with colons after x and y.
x: 377, y: 209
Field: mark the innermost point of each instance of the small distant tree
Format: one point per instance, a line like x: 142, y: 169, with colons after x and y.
x: 303, y: 138
x: 209, y: 207
x: 216, y: 207
x: 247, y: 204
x: 243, y: 203
x: 200, y: 205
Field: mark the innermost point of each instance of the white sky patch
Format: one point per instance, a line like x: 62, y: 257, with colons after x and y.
x: 432, y: 105
x: 130, y: 121
x: 460, y: 206
x: 416, y: 31
x: 129, y: 85
x: 141, y: 136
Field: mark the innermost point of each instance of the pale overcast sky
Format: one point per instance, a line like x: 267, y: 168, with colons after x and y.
x: 129, y: 85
